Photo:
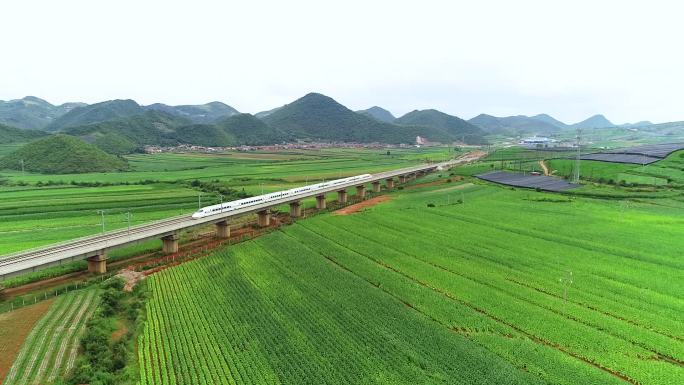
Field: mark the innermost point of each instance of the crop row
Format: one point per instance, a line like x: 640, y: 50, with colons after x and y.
x: 257, y: 314
x: 49, y: 350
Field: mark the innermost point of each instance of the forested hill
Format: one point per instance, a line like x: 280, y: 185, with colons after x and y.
x: 596, y: 121
x: 17, y: 135
x: 516, y: 125
x: 319, y: 117
x: 201, y: 113
x: 453, y: 126
x: 94, y: 113
x: 378, y: 113
x: 249, y: 130
x: 61, y: 154
x: 127, y: 135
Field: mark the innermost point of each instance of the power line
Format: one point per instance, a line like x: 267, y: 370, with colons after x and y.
x: 577, y: 163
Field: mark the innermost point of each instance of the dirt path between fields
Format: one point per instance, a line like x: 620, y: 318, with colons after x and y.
x: 544, y: 167
x: 472, y: 155
x: 434, y: 183
x: 362, y: 205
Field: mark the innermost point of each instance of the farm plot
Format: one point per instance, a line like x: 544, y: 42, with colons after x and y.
x: 14, y: 327
x: 665, y: 171
x: 264, y: 319
x: 36, y: 209
x: 502, y: 287
x: 31, y: 217
x: 50, y: 350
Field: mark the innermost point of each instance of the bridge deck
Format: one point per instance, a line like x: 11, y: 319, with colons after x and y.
x: 30, y: 260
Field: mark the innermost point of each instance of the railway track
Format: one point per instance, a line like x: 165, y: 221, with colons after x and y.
x: 81, y: 248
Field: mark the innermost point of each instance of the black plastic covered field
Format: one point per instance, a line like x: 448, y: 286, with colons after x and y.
x: 546, y: 183
x: 645, y: 154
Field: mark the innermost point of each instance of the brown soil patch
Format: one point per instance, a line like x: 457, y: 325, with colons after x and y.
x: 121, y: 330
x: 14, y: 327
x: 362, y: 205
x: 475, y: 154
x: 130, y: 278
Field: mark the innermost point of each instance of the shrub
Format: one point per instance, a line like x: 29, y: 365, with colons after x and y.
x: 430, y: 205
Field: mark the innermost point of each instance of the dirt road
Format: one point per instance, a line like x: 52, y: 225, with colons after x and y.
x: 544, y: 167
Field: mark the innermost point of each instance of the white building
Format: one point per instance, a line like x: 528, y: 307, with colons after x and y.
x: 537, y: 141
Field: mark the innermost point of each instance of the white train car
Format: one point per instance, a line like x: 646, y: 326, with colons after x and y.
x: 260, y: 199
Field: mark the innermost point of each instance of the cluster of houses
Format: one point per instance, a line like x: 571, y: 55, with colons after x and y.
x: 273, y: 147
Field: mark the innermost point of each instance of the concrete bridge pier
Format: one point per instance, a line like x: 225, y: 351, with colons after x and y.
x: 402, y: 178
x: 295, y: 209
x: 320, y: 202
x: 98, y: 263
x: 342, y: 196
x: 170, y: 243
x: 376, y: 186
x: 223, y: 230
x: 389, y: 183
x: 361, y: 191
x: 264, y: 218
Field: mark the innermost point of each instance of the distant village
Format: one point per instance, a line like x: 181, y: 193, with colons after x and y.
x: 532, y: 142
x: 273, y: 147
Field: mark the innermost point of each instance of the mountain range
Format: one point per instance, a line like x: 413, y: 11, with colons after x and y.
x: 124, y: 126
x: 32, y: 112
x: 542, y: 124
x: 320, y: 118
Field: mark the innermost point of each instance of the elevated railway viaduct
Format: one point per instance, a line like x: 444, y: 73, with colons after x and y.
x: 94, y: 248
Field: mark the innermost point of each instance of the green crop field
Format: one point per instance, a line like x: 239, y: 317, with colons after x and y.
x: 37, y: 209
x: 491, y: 285
x: 668, y: 170
x: 50, y: 350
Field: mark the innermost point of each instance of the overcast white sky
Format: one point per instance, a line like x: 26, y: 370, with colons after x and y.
x: 571, y: 59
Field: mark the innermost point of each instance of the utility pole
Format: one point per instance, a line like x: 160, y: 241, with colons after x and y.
x: 577, y: 163
x: 199, y: 200
x: 22, y: 167
x: 128, y: 219
x: 102, y: 213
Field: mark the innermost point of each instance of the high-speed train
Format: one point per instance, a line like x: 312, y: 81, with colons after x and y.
x: 257, y: 200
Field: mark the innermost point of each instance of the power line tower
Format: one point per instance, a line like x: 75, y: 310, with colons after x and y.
x: 576, y: 177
